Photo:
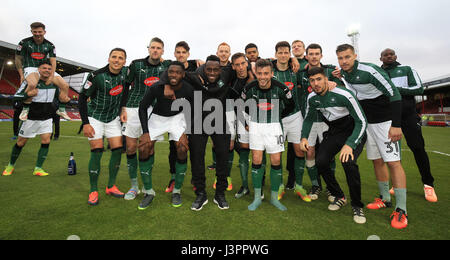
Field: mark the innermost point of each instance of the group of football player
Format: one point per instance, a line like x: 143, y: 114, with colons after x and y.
x: 320, y: 110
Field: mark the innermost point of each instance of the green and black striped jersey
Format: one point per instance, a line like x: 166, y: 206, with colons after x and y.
x: 289, y: 78
x: 336, y: 105
x: 35, y: 54
x: 105, y: 91
x: 142, y: 75
x: 43, y: 105
x: 270, y: 105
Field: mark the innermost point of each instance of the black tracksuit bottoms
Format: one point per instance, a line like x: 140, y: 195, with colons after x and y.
x: 412, y: 129
x: 197, y: 147
x: 332, y: 144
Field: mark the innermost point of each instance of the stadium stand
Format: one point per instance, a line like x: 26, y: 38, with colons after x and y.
x: 73, y: 72
x: 6, y: 88
x: 434, y: 104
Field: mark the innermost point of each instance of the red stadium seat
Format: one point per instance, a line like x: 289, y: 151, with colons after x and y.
x: 437, y: 123
x: 6, y: 88
x: 6, y: 114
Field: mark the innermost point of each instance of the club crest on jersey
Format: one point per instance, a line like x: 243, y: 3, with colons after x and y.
x: 266, y: 106
x: 37, y: 56
x: 116, y: 91
x: 290, y: 85
x: 150, y: 81
x: 220, y: 84
x: 310, y: 89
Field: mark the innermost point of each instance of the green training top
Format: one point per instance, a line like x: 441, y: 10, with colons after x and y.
x: 334, y: 105
x: 405, y: 79
x: 376, y: 93
x: 306, y: 89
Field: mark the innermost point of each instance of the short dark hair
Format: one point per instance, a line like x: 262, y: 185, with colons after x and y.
x: 213, y: 58
x: 250, y: 45
x: 262, y: 63
x: 344, y: 47
x: 386, y: 50
x: 316, y: 70
x: 177, y: 63
x: 314, y: 46
x: 184, y: 45
x: 118, y: 49
x: 237, y: 56
x: 282, y: 44
x: 36, y: 25
x: 46, y: 62
x: 156, y: 39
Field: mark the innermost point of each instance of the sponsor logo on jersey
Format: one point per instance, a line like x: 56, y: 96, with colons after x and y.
x: 310, y: 89
x: 37, y: 55
x: 150, y: 81
x: 266, y: 106
x: 290, y: 85
x: 116, y: 91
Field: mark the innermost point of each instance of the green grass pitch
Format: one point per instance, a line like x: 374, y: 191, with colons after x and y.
x: 55, y: 207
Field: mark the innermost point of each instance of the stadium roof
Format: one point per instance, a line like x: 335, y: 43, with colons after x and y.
x: 64, y: 67
x: 437, y: 83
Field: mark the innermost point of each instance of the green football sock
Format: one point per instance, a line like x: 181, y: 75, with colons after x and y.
x: 299, y: 168
x: 257, y: 174
x: 42, y: 155
x: 230, y: 162
x: 244, y: 165
x: 114, y: 165
x: 94, y: 168
x: 276, y: 178
x: 62, y: 107
x: 383, y: 186
x: 180, y: 168
x: 146, y: 167
x: 132, y: 163
x: 312, y: 172
x: 400, y: 199
x: 15, y: 154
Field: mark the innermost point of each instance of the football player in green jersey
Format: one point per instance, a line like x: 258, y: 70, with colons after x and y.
x: 347, y: 134
x: 142, y: 74
x: 40, y: 121
x: 314, y: 56
x: 382, y: 104
x: 272, y: 101
x: 32, y: 52
x: 409, y: 84
x: 292, y: 122
x: 107, y: 90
